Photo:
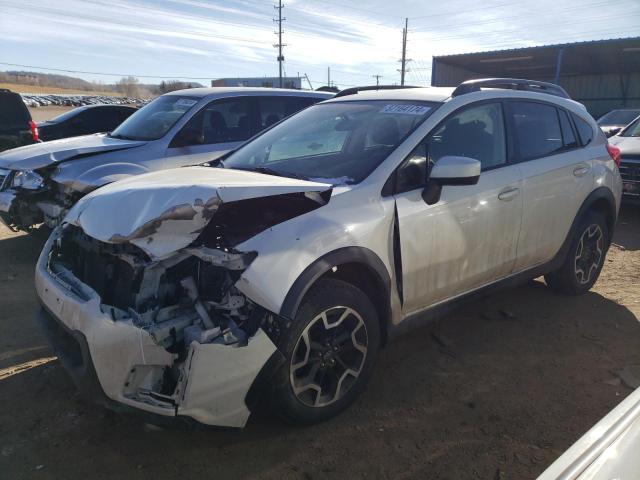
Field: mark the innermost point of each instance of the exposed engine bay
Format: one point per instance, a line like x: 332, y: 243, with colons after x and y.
x: 189, y: 297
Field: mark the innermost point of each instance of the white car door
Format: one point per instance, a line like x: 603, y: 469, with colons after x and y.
x: 557, y: 178
x: 221, y: 126
x: 468, y: 238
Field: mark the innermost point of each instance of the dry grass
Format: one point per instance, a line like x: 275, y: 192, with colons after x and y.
x: 17, y: 87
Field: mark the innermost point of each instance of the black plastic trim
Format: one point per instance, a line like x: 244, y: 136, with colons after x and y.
x: 325, y: 263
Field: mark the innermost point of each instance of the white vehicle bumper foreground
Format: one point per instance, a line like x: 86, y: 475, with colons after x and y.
x: 119, y: 363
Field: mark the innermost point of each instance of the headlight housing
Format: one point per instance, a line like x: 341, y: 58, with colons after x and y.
x: 27, y: 179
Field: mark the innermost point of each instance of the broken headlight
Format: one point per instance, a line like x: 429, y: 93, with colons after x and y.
x: 27, y: 179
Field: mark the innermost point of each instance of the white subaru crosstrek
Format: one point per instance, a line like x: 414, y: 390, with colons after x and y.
x: 283, y: 268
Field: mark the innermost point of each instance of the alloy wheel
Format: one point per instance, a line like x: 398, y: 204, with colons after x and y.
x: 328, y: 357
x: 589, y: 253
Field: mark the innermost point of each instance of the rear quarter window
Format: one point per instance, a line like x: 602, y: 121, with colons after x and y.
x: 585, y: 132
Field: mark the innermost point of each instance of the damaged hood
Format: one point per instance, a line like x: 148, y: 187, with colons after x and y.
x: 165, y: 211
x: 43, y: 154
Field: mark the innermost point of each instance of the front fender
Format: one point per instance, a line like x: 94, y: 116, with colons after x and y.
x: 100, y: 175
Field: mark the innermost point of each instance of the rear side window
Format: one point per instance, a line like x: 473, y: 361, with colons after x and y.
x: 274, y: 109
x: 585, y: 132
x: 568, y: 136
x: 537, y: 129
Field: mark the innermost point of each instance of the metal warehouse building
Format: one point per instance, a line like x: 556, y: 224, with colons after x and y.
x: 603, y: 74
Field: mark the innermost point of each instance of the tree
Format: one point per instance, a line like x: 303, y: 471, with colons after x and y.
x: 128, y: 86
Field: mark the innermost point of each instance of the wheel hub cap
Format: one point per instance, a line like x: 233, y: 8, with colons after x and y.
x: 328, y: 356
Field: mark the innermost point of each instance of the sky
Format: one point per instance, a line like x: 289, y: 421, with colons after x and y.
x: 201, y: 40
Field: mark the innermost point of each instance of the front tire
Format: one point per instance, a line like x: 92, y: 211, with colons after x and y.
x: 330, y: 352
x: 585, y: 259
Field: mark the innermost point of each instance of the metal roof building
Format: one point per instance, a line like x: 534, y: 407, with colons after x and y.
x: 602, y: 74
x: 287, y: 82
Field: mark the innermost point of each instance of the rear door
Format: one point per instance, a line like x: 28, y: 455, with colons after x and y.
x: 219, y: 127
x: 469, y: 237
x: 557, y: 177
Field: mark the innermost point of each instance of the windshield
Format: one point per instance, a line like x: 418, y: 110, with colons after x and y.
x: 632, y: 130
x: 338, y: 143
x: 67, y: 115
x: 618, y: 117
x: 152, y: 121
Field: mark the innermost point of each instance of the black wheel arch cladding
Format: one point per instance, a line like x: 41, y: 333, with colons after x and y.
x: 361, y: 256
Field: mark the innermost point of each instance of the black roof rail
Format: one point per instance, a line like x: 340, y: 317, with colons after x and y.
x: 354, y: 90
x: 511, y: 84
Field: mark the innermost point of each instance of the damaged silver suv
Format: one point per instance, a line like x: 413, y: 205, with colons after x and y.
x: 282, y: 269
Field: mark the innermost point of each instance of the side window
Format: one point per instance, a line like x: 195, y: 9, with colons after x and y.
x: 476, y: 132
x: 585, y: 132
x: 568, y: 136
x: 272, y: 110
x: 537, y: 129
x: 221, y: 121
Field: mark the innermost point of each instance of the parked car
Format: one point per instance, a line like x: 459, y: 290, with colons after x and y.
x: 614, y: 121
x: 84, y: 121
x: 283, y: 268
x: 185, y: 127
x: 628, y: 141
x: 16, y: 126
x: 609, y: 450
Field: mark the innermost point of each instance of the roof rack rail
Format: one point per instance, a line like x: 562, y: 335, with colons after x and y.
x: 354, y: 90
x: 510, y: 84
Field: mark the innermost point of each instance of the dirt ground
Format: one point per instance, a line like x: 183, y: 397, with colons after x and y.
x: 496, y: 390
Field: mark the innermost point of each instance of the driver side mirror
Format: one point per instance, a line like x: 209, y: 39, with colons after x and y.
x: 453, y: 170
x: 450, y: 170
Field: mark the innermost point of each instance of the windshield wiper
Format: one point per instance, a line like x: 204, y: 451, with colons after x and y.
x: 277, y: 173
x: 120, y: 137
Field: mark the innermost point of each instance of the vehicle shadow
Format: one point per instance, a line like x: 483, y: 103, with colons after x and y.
x: 502, y: 384
x: 627, y: 232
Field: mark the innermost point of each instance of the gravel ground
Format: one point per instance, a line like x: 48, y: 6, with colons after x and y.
x: 496, y: 390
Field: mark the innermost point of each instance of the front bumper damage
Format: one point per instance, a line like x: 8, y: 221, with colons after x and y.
x: 189, y: 359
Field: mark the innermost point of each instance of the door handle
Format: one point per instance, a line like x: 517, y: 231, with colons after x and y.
x: 580, y: 171
x: 508, y: 194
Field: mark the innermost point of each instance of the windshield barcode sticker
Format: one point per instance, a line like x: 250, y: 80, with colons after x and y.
x: 405, y: 109
x: 185, y: 102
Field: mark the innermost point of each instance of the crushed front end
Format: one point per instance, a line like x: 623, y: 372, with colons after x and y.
x: 29, y: 198
x: 172, y: 337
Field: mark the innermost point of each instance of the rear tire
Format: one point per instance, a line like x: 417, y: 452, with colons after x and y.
x: 326, y: 369
x: 585, y: 258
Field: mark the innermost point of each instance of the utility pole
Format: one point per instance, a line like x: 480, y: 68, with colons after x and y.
x: 404, y: 51
x: 328, y: 76
x: 377, y: 77
x: 309, y: 81
x: 279, y: 45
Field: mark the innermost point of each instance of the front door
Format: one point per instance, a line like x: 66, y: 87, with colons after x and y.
x: 469, y: 237
x: 221, y: 126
